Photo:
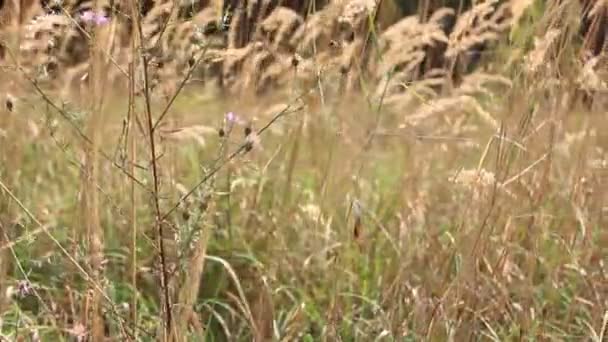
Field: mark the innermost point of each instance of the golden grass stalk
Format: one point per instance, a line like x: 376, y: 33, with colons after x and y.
x: 94, y: 231
x: 482, y: 23
x: 542, y: 46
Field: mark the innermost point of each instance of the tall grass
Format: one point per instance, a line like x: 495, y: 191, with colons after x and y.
x: 325, y: 172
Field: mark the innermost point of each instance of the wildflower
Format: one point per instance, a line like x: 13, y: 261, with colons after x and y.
x: 88, y: 16
x: 102, y: 20
x: 231, y: 117
x: 229, y: 120
x: 99, y: 19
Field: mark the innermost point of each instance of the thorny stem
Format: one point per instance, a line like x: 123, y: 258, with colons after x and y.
x: 155, y: 198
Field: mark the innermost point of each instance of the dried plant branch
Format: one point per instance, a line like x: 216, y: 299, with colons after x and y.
x: 164, y: 276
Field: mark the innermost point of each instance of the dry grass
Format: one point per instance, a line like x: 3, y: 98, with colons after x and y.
x: 438, y: 177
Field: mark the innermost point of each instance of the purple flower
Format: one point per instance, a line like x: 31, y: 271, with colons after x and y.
x: 96, y: 18
x: 232, y: 119
x: 88, y: 16
x: 102, y: 20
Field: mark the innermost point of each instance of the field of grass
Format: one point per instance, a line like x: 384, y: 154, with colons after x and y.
x: 465, y: 206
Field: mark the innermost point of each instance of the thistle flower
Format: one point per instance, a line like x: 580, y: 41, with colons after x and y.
x: 229, y: 120
x: 88, y: 16
x: 99, y: 19
x: 102, y: 20
x: 230, y: 117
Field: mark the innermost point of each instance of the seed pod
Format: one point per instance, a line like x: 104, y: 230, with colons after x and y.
x: 357, y: 228
x: 343, y: 69
x: 357, y: 213
x: 9, y: 104
x: 248, y: 146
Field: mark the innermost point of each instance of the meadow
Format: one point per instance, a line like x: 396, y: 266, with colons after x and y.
x: 304, y: 170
